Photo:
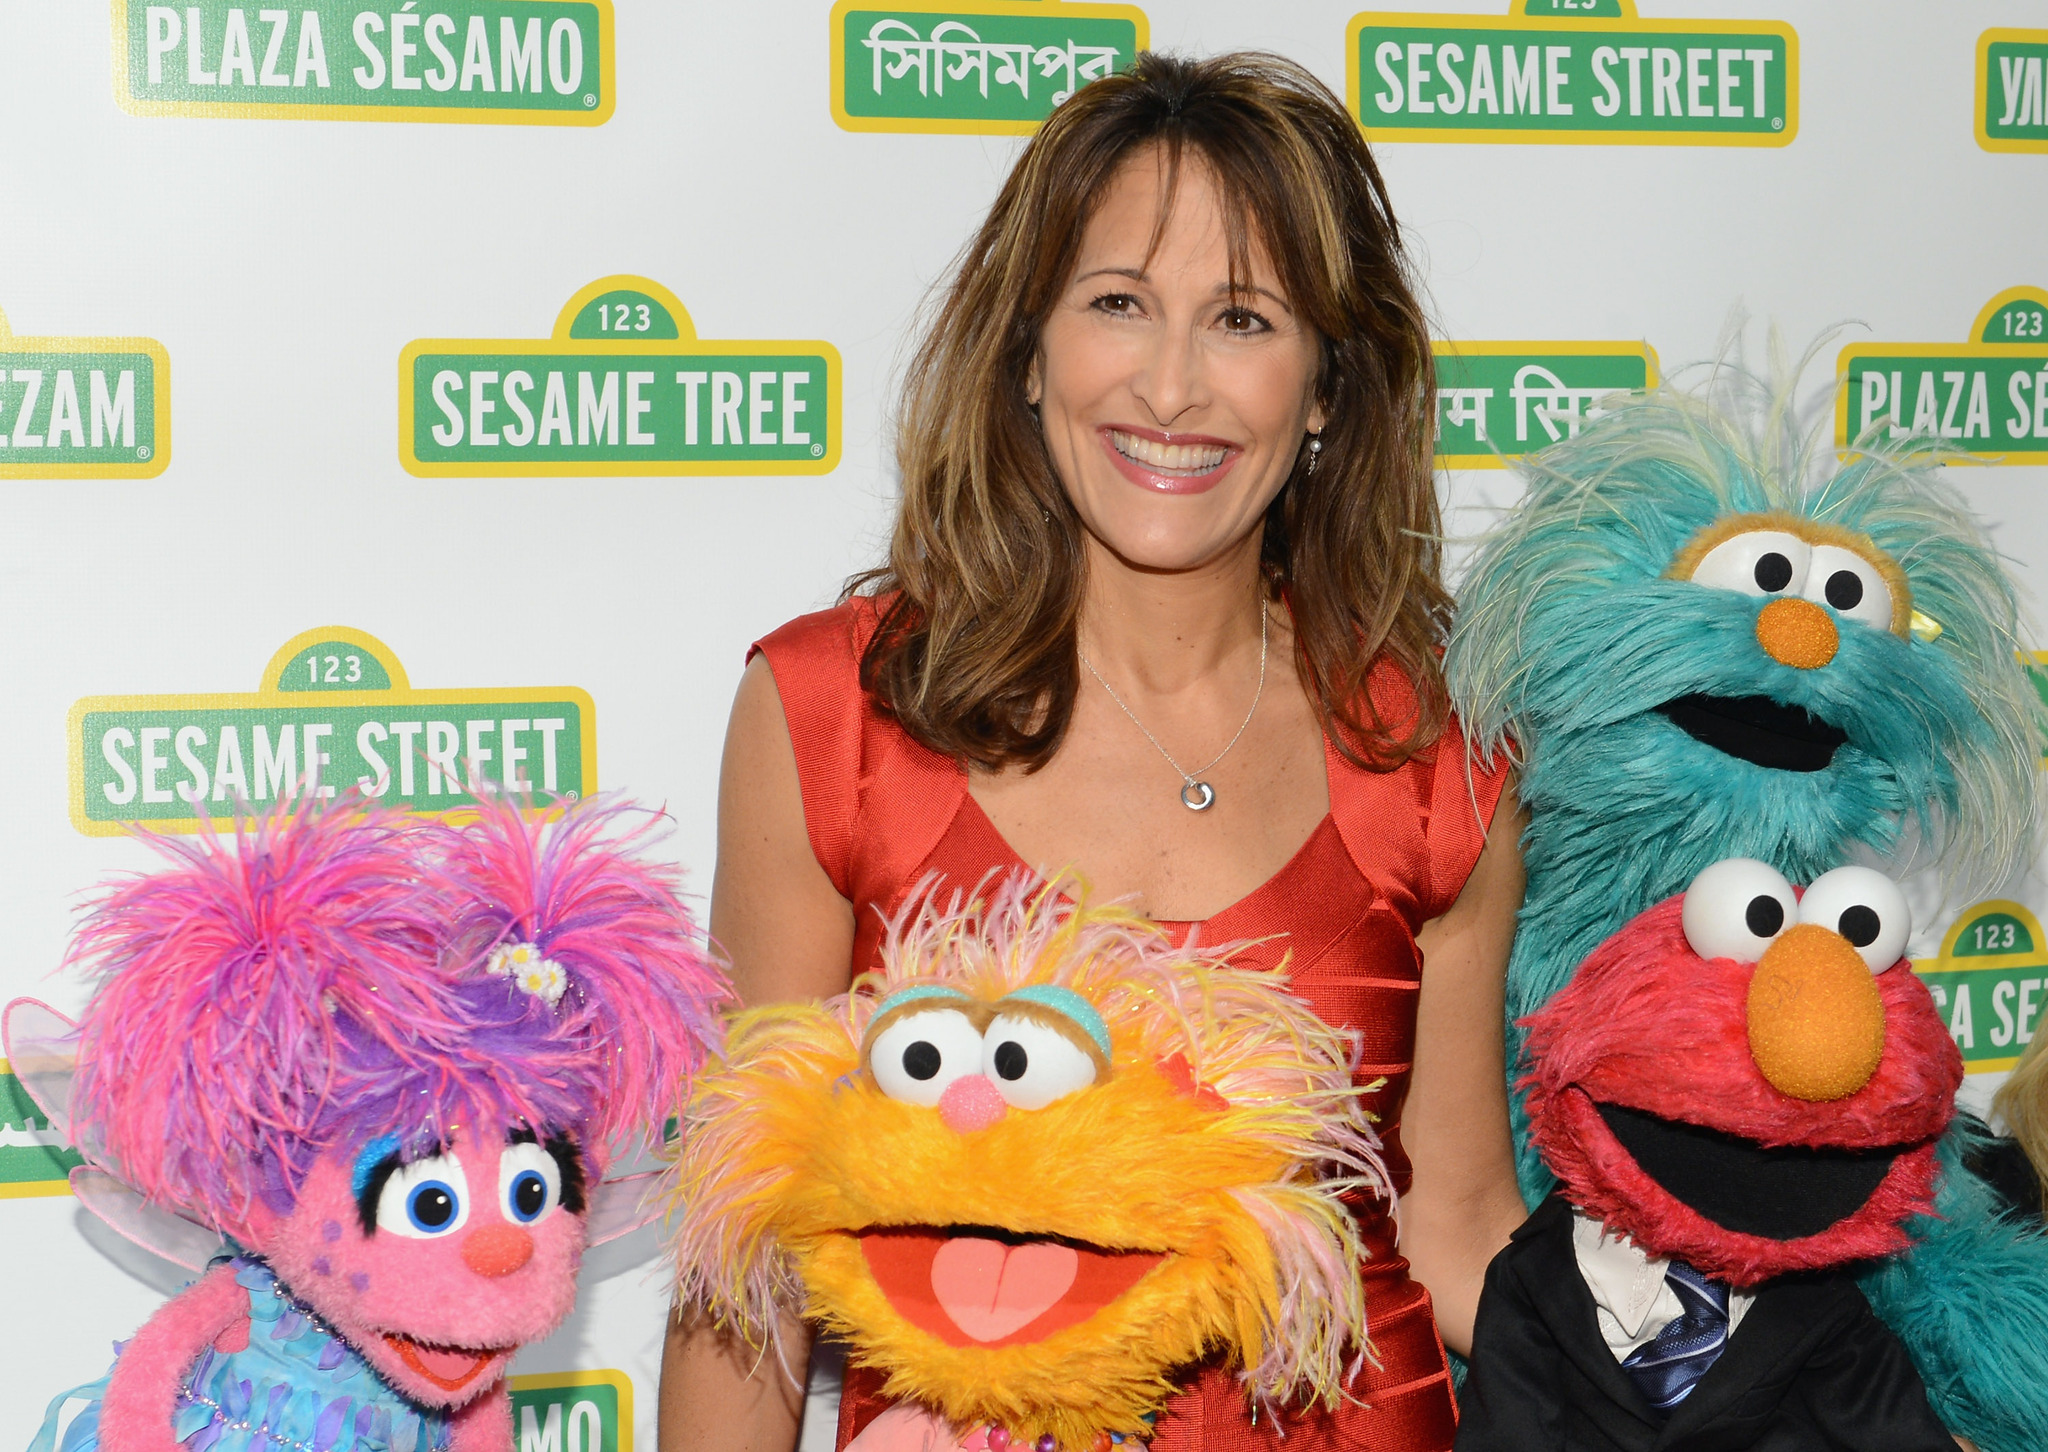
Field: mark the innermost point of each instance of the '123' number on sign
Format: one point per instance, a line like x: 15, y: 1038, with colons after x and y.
x: 2022, y: 322
x: 619, y: 318
x: 353, y: 664
x: 1992, y: 937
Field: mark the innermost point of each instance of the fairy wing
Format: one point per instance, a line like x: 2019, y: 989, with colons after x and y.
x: 41, y: 1045
x: 159, y: 1231
x: 621, y: 1206
x: 42, y: 1052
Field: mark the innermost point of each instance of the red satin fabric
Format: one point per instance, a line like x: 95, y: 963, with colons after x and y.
x: 884, y: 812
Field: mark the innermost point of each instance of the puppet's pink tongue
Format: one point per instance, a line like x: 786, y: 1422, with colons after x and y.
x: 991, y: 1289
x: 450, y: 1368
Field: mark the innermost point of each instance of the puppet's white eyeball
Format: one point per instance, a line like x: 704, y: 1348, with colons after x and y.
x: 1864, y: 906
x: 1032, y: 1063
x: 1851, y: 584
x: 529, y: 1183
x: 424, y: 1199
x: 1756, y: 562
x: 914, y: 1058
x: 1735, y: 908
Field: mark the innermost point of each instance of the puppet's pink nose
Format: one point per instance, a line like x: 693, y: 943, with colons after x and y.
x: 497, y: 1250
x: 970, y: 1103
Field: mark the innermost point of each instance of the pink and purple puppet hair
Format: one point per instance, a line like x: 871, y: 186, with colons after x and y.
x: 392, y: 1059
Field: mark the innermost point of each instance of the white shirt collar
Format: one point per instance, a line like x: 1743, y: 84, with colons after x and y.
x: 1624, y: 1281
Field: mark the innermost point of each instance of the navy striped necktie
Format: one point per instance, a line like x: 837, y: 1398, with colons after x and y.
x: 1667, y: 1368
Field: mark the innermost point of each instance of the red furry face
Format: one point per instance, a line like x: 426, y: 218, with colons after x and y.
x: 439, y: 1269
x: 1647, y: 1101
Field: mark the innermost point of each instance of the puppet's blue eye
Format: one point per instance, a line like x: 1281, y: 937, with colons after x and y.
x: 424, y: 1199
x: 530, y: 1181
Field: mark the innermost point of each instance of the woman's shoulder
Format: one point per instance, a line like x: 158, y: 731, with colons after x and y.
x: 825, y: 645
x: 1425, y: 817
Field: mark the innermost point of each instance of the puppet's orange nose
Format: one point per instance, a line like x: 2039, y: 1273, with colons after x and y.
x: 970, y: 1103
x: 1816, y: 1022
x: 1798, y: 633
x: 497, y: 1250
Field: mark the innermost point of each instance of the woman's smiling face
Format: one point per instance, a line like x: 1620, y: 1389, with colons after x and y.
x: 1173, y: 409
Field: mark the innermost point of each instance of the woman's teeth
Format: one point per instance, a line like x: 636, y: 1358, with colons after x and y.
x: 1168, y: 458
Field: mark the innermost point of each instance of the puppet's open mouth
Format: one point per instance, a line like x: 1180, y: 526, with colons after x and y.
x: 1758, y: 730
x: 451, y: 1368
x: 1779, y: 1194
x: 975, y: 1286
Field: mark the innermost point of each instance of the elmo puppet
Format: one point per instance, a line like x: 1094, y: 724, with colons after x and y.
x: 1740, y: 1094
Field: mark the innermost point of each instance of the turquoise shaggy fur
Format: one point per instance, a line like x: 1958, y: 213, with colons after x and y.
x: 1569, y: 635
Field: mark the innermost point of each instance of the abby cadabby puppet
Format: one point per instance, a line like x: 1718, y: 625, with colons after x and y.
x: 1740, y: 1094
x: 390, y: 1062
x: 1708, y: 638
x: 1032, y: 1169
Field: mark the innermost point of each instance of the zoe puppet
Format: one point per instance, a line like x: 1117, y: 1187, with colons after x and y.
x: 1740, y: 1094
x: 390, y: 1062
x: 1032, y: 1168
x: 1700, y: 635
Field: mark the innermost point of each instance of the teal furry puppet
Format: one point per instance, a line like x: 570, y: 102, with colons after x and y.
x: 1703, y: 644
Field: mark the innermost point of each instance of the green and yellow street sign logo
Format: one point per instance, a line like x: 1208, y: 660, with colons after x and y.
x: 1497, y: 400
x: 573, y: 1411
x: 624, y: 386
x: 990, y: 67
x: 2012, y: 112
x: 1990, y: 983
x: 536, y: 62
x: 1573, y: 71
x: 1987, y: 398
x: 83, y: 408
x: 34, y: 1159
x: 334, y: 711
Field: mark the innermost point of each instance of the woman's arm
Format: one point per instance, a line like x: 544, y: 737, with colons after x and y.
x: 1464, y: 1203
x: 789, y: 935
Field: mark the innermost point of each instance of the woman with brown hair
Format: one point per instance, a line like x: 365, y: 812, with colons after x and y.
x: 1162, y: 603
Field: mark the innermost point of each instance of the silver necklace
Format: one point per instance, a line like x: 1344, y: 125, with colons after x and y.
x: 1195, y: 794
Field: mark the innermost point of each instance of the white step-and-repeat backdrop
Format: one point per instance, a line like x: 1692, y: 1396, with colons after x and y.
x: 433, y: 382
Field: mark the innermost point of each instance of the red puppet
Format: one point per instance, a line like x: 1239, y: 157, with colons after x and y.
x: 1740, y: 1094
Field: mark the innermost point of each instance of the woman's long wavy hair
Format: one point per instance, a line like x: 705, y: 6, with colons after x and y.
x: 981, y: 594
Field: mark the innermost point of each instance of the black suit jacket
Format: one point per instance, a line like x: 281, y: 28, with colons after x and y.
x: 1810, y: 1369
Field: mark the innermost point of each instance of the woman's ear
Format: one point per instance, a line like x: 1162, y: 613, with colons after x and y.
x: 1318, y: 417
x: 1034, y: 381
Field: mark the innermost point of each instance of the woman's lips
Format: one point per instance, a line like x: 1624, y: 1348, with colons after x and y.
x: 1187, y: 464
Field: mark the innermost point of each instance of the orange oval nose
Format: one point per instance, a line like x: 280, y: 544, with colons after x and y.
x: 1816, y: 1022
x: 1797, y: 632
x: 497, y: 1250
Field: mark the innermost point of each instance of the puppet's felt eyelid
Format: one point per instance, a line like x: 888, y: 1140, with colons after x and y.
x: 1069, y: 1005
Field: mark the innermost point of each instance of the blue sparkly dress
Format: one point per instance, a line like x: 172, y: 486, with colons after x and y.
x: 296, y: 1387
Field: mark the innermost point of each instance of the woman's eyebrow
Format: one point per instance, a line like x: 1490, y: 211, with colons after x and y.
x: 1223, y: 289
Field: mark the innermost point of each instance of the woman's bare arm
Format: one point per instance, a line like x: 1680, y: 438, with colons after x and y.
x: 789, y: 935
x: 1464, y: 1204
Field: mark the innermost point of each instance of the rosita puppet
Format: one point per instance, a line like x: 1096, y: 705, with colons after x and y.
x: 1706, y: 642
x: 1740, y: 1094
x: 390, y: 1061
x: 1033, y: 1168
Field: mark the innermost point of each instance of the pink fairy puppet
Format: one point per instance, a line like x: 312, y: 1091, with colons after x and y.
x: 390, y: 1061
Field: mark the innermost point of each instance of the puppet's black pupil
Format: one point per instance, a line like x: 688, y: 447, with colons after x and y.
x: 1773, y: 572
x: 530, y: 1195
x: 1859, y: 925
x: 921, y: 1060
x: 1845, y: 591
x: 433, y: 1207
x: 1765, y: 915
x: 1011, y: 1060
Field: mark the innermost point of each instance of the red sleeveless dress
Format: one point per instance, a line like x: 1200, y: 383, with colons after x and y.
x: 1394, y: 851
